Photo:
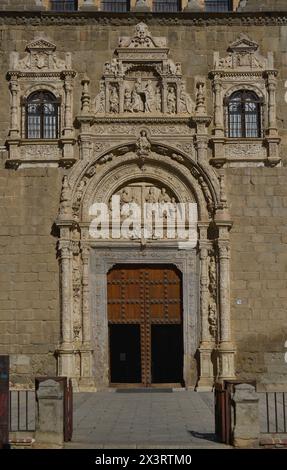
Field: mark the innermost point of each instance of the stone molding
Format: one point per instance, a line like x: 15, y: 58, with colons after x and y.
x: 40, y: 68
x: 200, y: 19
x: 244, y: 68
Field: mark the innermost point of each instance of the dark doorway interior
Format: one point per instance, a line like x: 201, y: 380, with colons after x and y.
x: 125, y: 353
x: 167, y: 353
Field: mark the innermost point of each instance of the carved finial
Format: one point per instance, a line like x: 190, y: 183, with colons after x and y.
x: 86, y: 98
x: 200, y: 99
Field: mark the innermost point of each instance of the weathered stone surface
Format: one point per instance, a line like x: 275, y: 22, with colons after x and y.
x: 49, y: 415
x: 246, y: 416
x: 30, y: 197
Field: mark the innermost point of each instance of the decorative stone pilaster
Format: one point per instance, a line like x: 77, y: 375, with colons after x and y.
x: 86, y: 381
x: 206, y: 375
x: 66, y: 350
x: 14, y: 125
x: 218, y: 109
x: 272, y: 124
x: 226, y: 347
x: 68, y: 86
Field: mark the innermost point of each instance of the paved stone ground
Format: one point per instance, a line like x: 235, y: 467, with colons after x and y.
x: 181, y: 419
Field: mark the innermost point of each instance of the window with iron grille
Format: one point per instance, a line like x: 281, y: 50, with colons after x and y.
x: 166, y: 5
x: 42, y: 116
x: 115, y: 5
x: 64, y: 5
x: 244, y: 112
x: 218, y: 5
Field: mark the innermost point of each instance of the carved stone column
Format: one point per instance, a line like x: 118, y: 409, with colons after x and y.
x: 206, y: 375
x: 15, y: 111
x: 272, y: 124
x: 218, y: 109
x: 86, y: 98
x: 201, y: 147
x: 226, y: 347
x: 68, y: 86
x: 86, y: 351
x: 66, y: 351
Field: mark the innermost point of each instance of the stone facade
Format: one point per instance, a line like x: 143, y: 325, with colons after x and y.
x: 142, y: 99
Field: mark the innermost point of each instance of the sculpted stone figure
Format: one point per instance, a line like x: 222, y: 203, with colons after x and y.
x: 100, y: 101
x: 185, y: 102
x: 171, y: 101
x: 138, y: 105
x: 158, y: 100
x: 114, y: 100
x: 128, y: 104
x: 149, y: 97
x: 151, y: 197
x: 163, y: 197
x: 143, y: 145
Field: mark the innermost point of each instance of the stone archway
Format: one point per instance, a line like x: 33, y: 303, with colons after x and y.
x: 85, y: 262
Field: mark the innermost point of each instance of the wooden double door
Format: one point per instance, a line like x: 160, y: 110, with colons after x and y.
x: 145, y: 325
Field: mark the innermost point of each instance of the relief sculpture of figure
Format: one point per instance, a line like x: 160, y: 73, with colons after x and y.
x: 128, y: 106
x: 114, y: 100
x: 185, y: 102
x: 138, y: 105
x: 149, y: 97
x: 100, y: 101
x: 171, y: 101
x: 163, y: 197
x: 143, y: 144
x: 158, y: 99
x: 151, y: 197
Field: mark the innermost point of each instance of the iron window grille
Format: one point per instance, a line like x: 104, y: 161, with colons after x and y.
x: 218, y: 5
x: 244, y: 115
x: 118, y: 6
x: 64, y: 5
x: 42, y: 116
x: 166, y: 5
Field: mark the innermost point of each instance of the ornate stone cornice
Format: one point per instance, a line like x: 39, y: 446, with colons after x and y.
x: 125, y: 19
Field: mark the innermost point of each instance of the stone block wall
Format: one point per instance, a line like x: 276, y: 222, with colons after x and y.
x: 29, y: 200
x: 29, y: 293
x: 258, y: 198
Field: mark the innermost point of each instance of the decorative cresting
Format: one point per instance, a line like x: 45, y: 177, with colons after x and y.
x: 244, y: 69
x: 40, y: 70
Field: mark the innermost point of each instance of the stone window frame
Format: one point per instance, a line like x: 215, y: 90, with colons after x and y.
x: 263, y: 117
x: 40, y: 68
x: 24, y: 99
x: 244, y: 69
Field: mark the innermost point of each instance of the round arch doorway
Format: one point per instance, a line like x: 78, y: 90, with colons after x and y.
x: 145, y: 325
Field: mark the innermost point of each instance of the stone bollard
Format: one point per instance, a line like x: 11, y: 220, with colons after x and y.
x: 49, y: 415
x: 246, y: 428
